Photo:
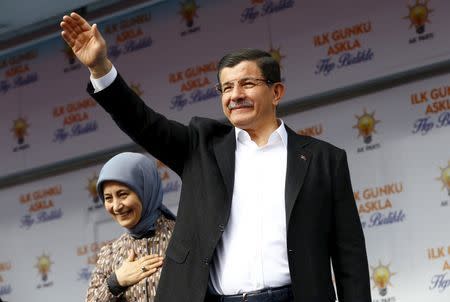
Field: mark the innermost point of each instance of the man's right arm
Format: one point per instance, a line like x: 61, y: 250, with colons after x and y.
x: 167, y: 140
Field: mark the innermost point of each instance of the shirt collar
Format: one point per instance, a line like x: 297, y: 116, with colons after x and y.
x: 280, y: 133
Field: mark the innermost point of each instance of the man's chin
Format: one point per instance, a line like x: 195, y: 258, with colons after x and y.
x: 240, y: 119
x: 239, y: 123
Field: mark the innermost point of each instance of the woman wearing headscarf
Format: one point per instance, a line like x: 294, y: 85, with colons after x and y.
x: 127, y: 269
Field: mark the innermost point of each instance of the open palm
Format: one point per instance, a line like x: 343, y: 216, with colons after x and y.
x: 86, y: 41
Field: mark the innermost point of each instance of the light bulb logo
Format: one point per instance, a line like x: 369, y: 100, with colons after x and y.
x: 445, y: 177
x: 381, y: 276
x: 43, y: 265
x: 189, y: 11
x: 366, y: 125
x: 276, y: 54
x: 92, y: 188
x: 137, y: 89
x: 20, y: 127
x: 418, y: 15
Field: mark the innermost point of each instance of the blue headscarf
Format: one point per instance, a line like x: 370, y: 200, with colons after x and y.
x: 139, y: 173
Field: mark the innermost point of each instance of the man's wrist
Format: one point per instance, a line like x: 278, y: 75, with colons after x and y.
x: 100, y: 70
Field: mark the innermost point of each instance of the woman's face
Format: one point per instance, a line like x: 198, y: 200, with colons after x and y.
x: 122, y: 203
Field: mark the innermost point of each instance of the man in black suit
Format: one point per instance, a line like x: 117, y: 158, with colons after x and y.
x: 262, y: 210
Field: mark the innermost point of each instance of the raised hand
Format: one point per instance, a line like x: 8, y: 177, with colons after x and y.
x: 134, y: 270
x: 87, y: 44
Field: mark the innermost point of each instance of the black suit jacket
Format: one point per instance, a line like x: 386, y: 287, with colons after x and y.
x: 321, y: 216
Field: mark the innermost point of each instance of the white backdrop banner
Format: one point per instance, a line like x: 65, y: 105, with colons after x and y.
x: 397, y: 140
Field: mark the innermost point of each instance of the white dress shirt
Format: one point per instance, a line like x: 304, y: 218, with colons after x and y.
x: 252, y: 253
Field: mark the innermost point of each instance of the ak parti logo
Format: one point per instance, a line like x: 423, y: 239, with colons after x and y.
x: 43, y: 265
x: 20, y: 131
x: 276, y: 54
x: 188, y: 12
x: 419, y: 15
x: 381, y: 277
x: 136, y: 87
x: 91, y: 187
x: 445, y: 178
x: 71, y: 59
x: 366, y: 125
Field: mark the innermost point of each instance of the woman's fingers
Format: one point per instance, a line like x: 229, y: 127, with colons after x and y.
x: 151, y: 262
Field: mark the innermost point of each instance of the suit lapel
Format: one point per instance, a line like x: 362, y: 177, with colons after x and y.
x: 298, y: 159
x: 224, y: 150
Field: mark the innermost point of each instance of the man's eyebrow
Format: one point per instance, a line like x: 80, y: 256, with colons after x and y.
x: 244, y: 78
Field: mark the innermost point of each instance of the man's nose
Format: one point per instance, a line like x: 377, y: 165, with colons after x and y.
x: 237, y: 92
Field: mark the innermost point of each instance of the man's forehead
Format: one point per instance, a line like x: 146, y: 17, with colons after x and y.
x: 245, y: 69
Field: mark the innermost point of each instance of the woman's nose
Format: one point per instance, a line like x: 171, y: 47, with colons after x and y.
x: 117, y: 204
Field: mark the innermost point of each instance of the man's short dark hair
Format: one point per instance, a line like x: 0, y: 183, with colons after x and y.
x: 269, y: 67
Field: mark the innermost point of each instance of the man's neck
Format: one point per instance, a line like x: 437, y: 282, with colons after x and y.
x: 261, y: 135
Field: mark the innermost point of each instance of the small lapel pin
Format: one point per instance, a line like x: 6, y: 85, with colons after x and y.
x: 302, y: 157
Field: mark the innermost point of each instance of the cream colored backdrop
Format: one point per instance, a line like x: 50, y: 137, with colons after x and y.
x: 397, y: 138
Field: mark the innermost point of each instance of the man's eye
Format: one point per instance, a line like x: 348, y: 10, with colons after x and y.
x: 248, y: 84
x: 226, y: 88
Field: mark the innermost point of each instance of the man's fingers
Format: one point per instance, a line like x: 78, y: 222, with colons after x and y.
x: 96, y: 31
x: 69, y: 30
x: 66, y: 27
x: 75, y: 25
x: 67, y: 38
x: 84, y: 25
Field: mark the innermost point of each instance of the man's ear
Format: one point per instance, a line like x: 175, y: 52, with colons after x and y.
x: 278, y: 92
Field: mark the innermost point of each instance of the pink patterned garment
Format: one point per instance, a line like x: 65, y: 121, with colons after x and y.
x: 113, y: 254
